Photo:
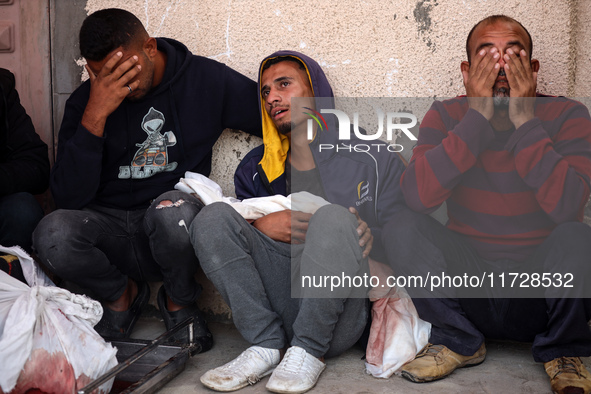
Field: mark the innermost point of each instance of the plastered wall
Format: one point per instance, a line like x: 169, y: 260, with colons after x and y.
x: 369, y: 48
x: 582, y: 53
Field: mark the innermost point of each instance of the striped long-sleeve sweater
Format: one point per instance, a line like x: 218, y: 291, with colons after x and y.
x: 505, y: 191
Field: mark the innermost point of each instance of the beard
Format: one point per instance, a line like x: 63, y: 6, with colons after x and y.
x: 146, y: 80
x: 285, y: 127
x: 501, y: 95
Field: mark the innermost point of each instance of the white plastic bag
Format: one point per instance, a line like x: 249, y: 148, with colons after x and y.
x: 46, y: 337
x: 397, y: 333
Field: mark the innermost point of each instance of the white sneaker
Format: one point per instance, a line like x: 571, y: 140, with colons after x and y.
x: 298, y: 372
x: 248, y: 368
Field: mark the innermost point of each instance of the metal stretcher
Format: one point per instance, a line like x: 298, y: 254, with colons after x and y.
x: 146, y: 366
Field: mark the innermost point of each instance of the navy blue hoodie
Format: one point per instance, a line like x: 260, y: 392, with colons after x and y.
x: 367, y: 181
x: 149, y: 144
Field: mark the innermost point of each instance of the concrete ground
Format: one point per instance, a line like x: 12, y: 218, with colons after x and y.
x: 508, y: 368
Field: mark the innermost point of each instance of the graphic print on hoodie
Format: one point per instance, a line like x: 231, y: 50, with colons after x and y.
x: 152, y: 155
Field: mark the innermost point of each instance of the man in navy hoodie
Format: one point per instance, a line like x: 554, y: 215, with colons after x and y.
x: 150, y: 111
x: 257, y: 267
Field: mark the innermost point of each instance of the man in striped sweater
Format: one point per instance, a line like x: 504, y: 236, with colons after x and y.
x: 514, y: 169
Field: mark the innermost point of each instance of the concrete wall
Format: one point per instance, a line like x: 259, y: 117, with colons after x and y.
x: 582, y: 52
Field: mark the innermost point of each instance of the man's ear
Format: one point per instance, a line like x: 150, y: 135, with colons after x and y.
x: 535, y: 65
x: 465, y: 66
x: 150, y: 47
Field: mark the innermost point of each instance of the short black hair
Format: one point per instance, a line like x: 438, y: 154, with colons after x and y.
x: 105, y: 30
x: 493, y: 19
x: 280, y: 59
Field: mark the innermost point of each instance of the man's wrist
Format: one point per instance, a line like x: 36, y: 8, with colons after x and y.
x: 482, y: 105
x: 94, y: 124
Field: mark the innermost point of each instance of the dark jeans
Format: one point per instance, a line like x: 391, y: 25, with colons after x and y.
x: 19, y: 215
x: 253, y: 274
x: 98, y: 248
x: 557, y: 326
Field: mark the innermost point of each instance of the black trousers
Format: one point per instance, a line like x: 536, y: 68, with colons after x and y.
x: 554, y: 319
x: 98, y: 248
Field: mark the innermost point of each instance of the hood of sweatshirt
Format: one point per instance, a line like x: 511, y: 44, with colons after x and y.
x: 277, y: 144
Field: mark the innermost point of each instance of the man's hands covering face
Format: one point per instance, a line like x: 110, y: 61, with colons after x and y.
x: 522, y: 81
x: 481, y: 75
x: 479, y: 80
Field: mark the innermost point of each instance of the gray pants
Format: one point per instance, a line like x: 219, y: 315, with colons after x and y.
x: 253, y: 274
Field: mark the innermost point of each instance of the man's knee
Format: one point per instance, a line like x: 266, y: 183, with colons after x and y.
x: 213, y: 230
x: 331, y: 217
x: 403, y: 222
x: 214, y: 224
x: 402, y: 228
x: 170, y: 208
x: 55, y: 227
x: 20, y: 208
x: 572, y: 247
x: 332, y: 244
x: 53, y: 236
x: 403, y: 235
x: 573, y: 236
x: 170, y: 199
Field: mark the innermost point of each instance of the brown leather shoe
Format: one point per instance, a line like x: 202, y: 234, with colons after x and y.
x: 568, y: 375
x: 437, y: 361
